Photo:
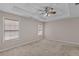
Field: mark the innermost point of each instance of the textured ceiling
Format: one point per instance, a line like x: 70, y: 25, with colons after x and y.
x: 32, y: 9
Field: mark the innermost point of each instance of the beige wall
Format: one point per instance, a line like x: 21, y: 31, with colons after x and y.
x: 63, y: 30
x: 1, y: 32
x: 28, y: 31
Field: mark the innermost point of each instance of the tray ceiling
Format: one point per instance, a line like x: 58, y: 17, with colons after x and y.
x: 32, y: 10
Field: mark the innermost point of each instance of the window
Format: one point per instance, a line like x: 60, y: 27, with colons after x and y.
x: 11, y: 29
x: 40, y: 29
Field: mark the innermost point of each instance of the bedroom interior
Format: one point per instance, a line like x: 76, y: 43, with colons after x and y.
x: 39, y: 29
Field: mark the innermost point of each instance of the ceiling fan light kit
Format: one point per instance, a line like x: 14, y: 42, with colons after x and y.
x: 47, y: 11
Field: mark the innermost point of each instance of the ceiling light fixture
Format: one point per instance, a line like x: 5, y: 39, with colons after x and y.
x: 47, y: 11
x: 76, y: 3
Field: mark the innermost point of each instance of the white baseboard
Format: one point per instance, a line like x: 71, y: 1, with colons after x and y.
x: 18, y: 45
x: 66, y: 42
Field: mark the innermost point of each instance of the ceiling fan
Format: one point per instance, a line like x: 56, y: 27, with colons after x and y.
x: 76, y: 3
x: 47, y: 11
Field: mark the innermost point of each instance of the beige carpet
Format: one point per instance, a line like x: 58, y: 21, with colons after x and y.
x: 44, y: 48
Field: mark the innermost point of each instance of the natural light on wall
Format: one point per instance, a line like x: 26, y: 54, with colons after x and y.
x: 11, y: 29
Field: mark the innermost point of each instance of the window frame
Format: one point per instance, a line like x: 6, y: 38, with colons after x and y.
x: 8, y: 18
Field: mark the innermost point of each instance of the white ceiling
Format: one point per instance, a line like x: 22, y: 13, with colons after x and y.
x: 31, y: 9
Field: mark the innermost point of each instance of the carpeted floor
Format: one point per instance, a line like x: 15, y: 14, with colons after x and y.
x: 44, y: 48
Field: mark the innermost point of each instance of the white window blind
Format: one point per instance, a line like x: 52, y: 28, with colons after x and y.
x: 40, y: 29
x: 11, y: 29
